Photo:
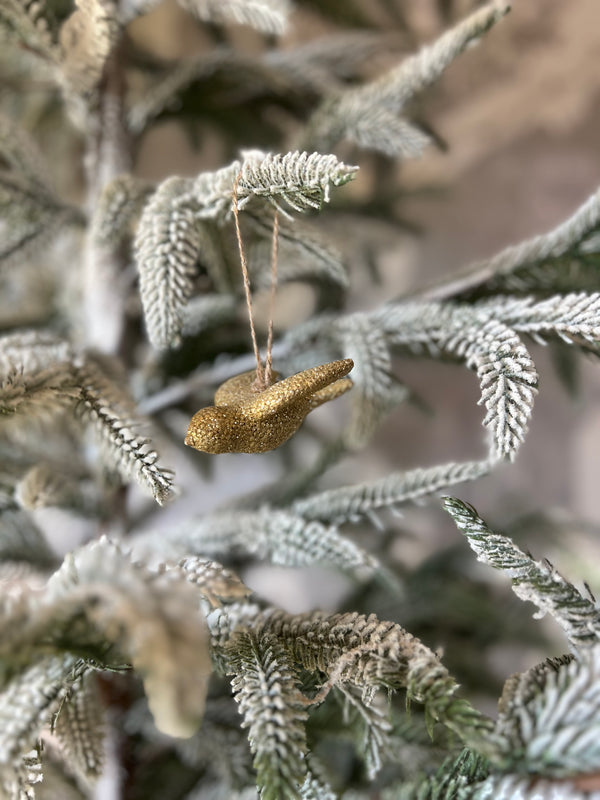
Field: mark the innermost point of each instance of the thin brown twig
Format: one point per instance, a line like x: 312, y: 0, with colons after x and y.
x: 269, y: 357
x: 260, y: 383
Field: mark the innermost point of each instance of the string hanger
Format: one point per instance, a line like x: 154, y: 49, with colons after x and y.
x: 264, y: 375
x: 254, y: 412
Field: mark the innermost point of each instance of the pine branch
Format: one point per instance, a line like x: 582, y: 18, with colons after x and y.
x: 32, y: 351
x: 159, y: 96
x: 456, y: 779
x: 36, y: 377
x: 524, y: 265
x: 511, y: 787
x: 375, y: 389
x: 201, y: 74
x: 168, y: 243
x: 314, y: 788
x: 43, y: 485
x: 575, y: 318
x: 30, y: 212
x: 319, y: 64
x: 22, y: 540
x: 214, y: 582
x: 300, y: 179
x: 302, y: 256
x: 207, y: 311
x: 171, y: 236
x: 350, y: 503
x: 504, y: 367
x: 119, y: 203
x: 29, y: 217
x: 277, y: 536
x: 79, y: 727
x: 87, y: 38
x: 535, y: 581
x: 28, y: 700
x: 296, y: 75
x: 38, y: 394
x: 549, y: 721
x: 26, y: 22
x: 112, y: 414
x: 43, y: 374
x: 296, y: 483
x: 19, y: 781
x: 369, y: 115
x: 100, y: 604
x: 274, y: 711
x: 267, y: 16
x: 23, y: 156
x: 353, y: 650
x: 373, y: 728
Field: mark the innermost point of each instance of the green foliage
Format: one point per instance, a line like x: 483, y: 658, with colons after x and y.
x: 125, y: 650
x: 265, y: 688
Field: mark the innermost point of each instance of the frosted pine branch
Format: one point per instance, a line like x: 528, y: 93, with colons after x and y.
x: 570, y: 237
x: 300, y: 179
x: 371, y: 725
x: 19, y: 781
x: 368, y: 653
x: 302, y: 256
x: 28, y: 700
x: 86, y: 40
x: 213, y: 581
x: 575, y: 318
x: 39, y: 394
x: 80, y: 728
x: 520, y: 787
x: 274, y: 711
x: 30, y: 216
x: 373, y: 394
x: 172, y: 235
x: 267, y: 16
x: 112, y: 414
x: 36, y: 376
x: 535, y: 581
x: 43, y: 374
x: 22, y: 154
x: 504, y: 367
x: 120, y: 201
x: 22, y: 540
x: 357, y: 654
x: 168, y: 244
x: 47, y: 485
x: 315, y: 789
x: 118, y: 611
x: 207, y: 311
x: 349, y: 503
x: 278, y: 536
x: 26, y: 22
x: 422, y: 70
x: 32, y: 351
x: 368, y: 115
x: 319, y: 64
x: 549, y: 719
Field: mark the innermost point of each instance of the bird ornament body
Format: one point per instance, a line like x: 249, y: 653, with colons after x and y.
x: 246, y: 420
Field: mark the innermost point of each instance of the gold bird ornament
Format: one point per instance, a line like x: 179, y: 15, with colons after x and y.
x: 246, y: 420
